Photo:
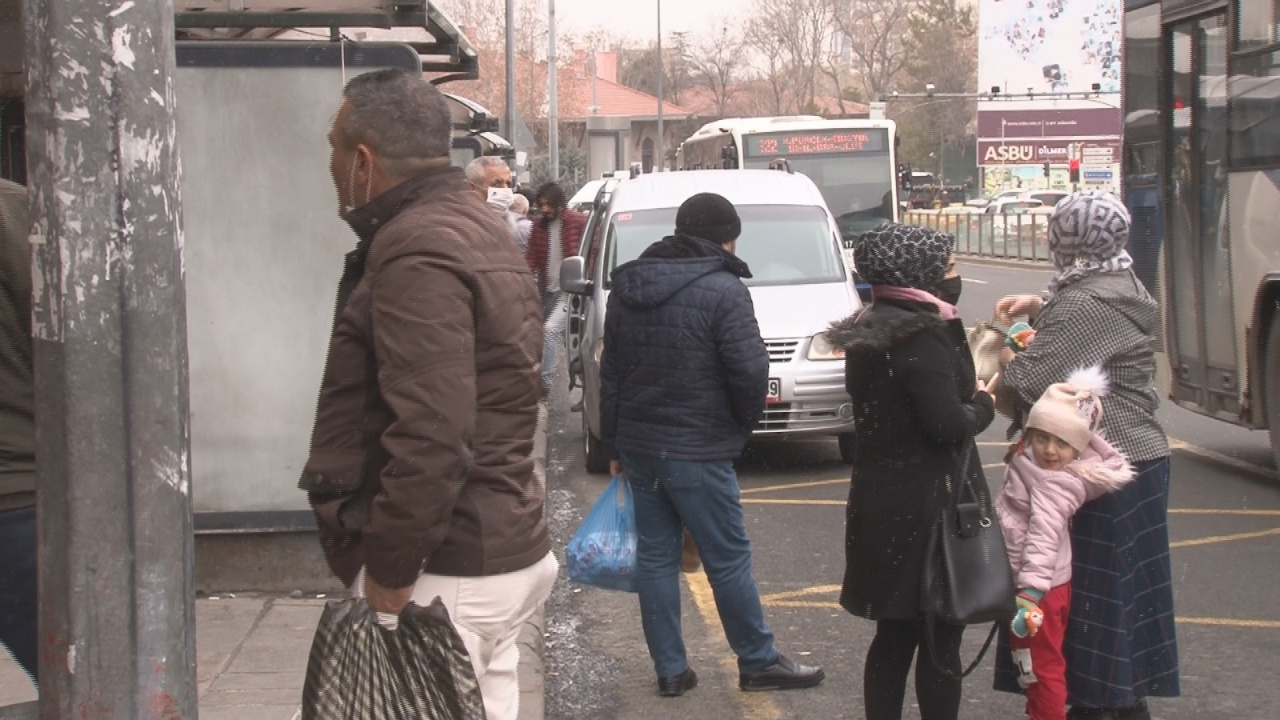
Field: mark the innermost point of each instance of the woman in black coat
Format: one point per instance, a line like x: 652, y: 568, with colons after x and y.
x: 917, y: 407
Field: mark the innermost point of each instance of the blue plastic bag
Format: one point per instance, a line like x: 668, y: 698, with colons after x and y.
x: 603, y: 550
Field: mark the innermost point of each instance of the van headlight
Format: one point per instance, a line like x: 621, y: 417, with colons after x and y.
x: 821, y: 348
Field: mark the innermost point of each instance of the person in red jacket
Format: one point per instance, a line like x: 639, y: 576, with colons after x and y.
x: 555, y: 222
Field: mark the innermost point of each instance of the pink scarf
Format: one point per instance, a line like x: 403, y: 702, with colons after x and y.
x: 892, y: 292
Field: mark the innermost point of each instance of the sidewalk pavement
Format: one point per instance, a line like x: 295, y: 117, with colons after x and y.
x: 252, y: 648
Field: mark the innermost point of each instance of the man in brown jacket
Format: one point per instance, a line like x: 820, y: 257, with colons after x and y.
x: 421, y: 468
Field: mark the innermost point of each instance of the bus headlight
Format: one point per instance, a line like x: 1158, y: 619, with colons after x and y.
x: 821, y: 348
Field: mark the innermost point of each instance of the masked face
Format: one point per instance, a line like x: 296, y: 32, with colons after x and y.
x: 949, y: 289
x: 499, y: 198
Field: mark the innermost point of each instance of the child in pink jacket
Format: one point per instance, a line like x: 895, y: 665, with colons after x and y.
x: 1060, y: 463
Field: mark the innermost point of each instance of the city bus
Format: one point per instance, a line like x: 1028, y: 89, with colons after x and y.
x: 1202, y: 178
x: 851, y: 161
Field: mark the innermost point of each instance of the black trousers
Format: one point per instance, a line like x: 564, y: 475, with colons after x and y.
x: 897, y: 643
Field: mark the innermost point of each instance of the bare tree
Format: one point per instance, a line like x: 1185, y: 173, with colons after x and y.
x: 876, y: 34
x: 715, y: 61
x: 791, y: 38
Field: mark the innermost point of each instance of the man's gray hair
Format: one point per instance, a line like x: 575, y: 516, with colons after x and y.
x: 403, y: 118
x: 477, y: 168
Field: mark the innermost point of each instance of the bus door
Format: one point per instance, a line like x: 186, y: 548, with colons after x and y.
x: 1202, y: 347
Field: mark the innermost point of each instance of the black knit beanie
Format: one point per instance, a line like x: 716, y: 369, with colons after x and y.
x: 710, y: 217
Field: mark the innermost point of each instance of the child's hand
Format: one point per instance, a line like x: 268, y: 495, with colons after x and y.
x: 1029, y: 617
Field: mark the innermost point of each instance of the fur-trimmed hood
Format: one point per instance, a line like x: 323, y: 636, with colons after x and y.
x: 881, y: 325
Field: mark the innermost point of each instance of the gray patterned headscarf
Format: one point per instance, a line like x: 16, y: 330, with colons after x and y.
x: 1087, y: 235
x: 906, y: 256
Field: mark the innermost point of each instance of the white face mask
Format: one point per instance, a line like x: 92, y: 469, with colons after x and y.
x: 500, y: 198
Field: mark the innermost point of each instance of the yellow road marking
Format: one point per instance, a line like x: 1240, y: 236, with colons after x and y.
x: 789, y: 594
x: 755, y: 706
x: 1216, y: 539
x: 758, y: 501
x: 790, y: 599
x: 1222, y: 511
x: 814, y: 483
x: 1230, y: 622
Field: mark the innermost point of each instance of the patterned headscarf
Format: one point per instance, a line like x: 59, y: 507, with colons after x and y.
x: 1087, y: 235
x: 906, y: 256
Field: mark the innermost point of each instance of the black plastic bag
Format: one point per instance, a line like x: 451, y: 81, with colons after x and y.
x: 359, y: 670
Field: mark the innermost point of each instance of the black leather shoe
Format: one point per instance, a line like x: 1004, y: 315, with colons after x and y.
x: 782, y: 675
x: 677, y: 685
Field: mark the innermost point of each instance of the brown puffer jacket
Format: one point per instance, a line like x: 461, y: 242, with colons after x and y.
x: 421, y: 456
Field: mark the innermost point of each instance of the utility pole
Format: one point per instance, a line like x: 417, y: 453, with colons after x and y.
x: 117, y: 609
x: 511, y: 72
x: 553, y: 112
x: 662, y: 143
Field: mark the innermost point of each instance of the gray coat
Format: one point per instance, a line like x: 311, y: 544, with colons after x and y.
x: 1107, y: 319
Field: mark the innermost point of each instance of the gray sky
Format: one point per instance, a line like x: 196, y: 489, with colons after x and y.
x: 637, y: 19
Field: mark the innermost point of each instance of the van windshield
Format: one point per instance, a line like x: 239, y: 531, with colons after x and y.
x: 782, y: 244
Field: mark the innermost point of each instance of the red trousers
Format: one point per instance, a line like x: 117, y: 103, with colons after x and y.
x: 1039, y: 658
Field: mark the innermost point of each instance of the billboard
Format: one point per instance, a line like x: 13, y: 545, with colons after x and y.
x: 1049, y: 46
x: 1035, y: 52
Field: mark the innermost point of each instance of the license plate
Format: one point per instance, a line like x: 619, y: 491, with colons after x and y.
x: 775, y: 392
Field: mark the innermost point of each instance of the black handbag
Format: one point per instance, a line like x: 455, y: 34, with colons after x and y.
x: 967, y: 579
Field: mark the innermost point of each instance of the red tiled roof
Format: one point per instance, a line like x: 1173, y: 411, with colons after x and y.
x: 614, y: 100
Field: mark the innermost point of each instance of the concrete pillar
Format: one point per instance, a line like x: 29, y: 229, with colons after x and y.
x: 117, y: 621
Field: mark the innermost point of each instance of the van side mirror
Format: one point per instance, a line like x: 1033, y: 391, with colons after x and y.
x: 573, y: 275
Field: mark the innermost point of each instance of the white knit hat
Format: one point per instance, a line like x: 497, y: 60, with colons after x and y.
x: 1072, y: 410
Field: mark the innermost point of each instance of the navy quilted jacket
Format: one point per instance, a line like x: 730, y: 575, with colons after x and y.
x: 684, y: 372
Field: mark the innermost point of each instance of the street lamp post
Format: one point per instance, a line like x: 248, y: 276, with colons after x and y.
x: 553, y: 114
x: 511, y: 72
x: 662, y: 145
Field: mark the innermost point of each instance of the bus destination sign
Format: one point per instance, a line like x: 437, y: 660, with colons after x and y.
x: 815, y: 142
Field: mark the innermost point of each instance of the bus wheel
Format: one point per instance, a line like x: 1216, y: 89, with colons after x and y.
x: 1272, y: 386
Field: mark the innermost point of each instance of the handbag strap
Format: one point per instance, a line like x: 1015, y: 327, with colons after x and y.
x: 933, y: 652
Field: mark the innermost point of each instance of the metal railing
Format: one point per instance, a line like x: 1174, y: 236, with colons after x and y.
x: 1022, y: 236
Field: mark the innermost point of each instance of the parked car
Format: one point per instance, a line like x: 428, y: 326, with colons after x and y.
x: 1011, y: 205
x: 1048, y: 198
x: 586, y: 196
x: 801, y: 283
x: 982, y: 202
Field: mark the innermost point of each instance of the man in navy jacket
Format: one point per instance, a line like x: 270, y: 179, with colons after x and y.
x: 684, y: 377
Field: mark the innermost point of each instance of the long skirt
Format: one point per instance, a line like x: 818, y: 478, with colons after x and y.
x: 1120, y: 643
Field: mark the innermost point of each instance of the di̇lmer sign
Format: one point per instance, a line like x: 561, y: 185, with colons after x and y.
x: 1059, y: 151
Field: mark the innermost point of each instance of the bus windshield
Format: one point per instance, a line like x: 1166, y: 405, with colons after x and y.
x: 858, y: 187
x: 782, y: 244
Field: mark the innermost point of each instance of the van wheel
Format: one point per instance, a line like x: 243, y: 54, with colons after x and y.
x: 593, y: 449
x: 1272, y: 387
x: 846, y: 448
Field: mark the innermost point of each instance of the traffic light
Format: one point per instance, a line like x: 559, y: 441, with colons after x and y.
x: 1046, y: 168
x: 1074, y: 168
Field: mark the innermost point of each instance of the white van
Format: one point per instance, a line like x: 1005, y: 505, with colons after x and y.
x: 801, y: 283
